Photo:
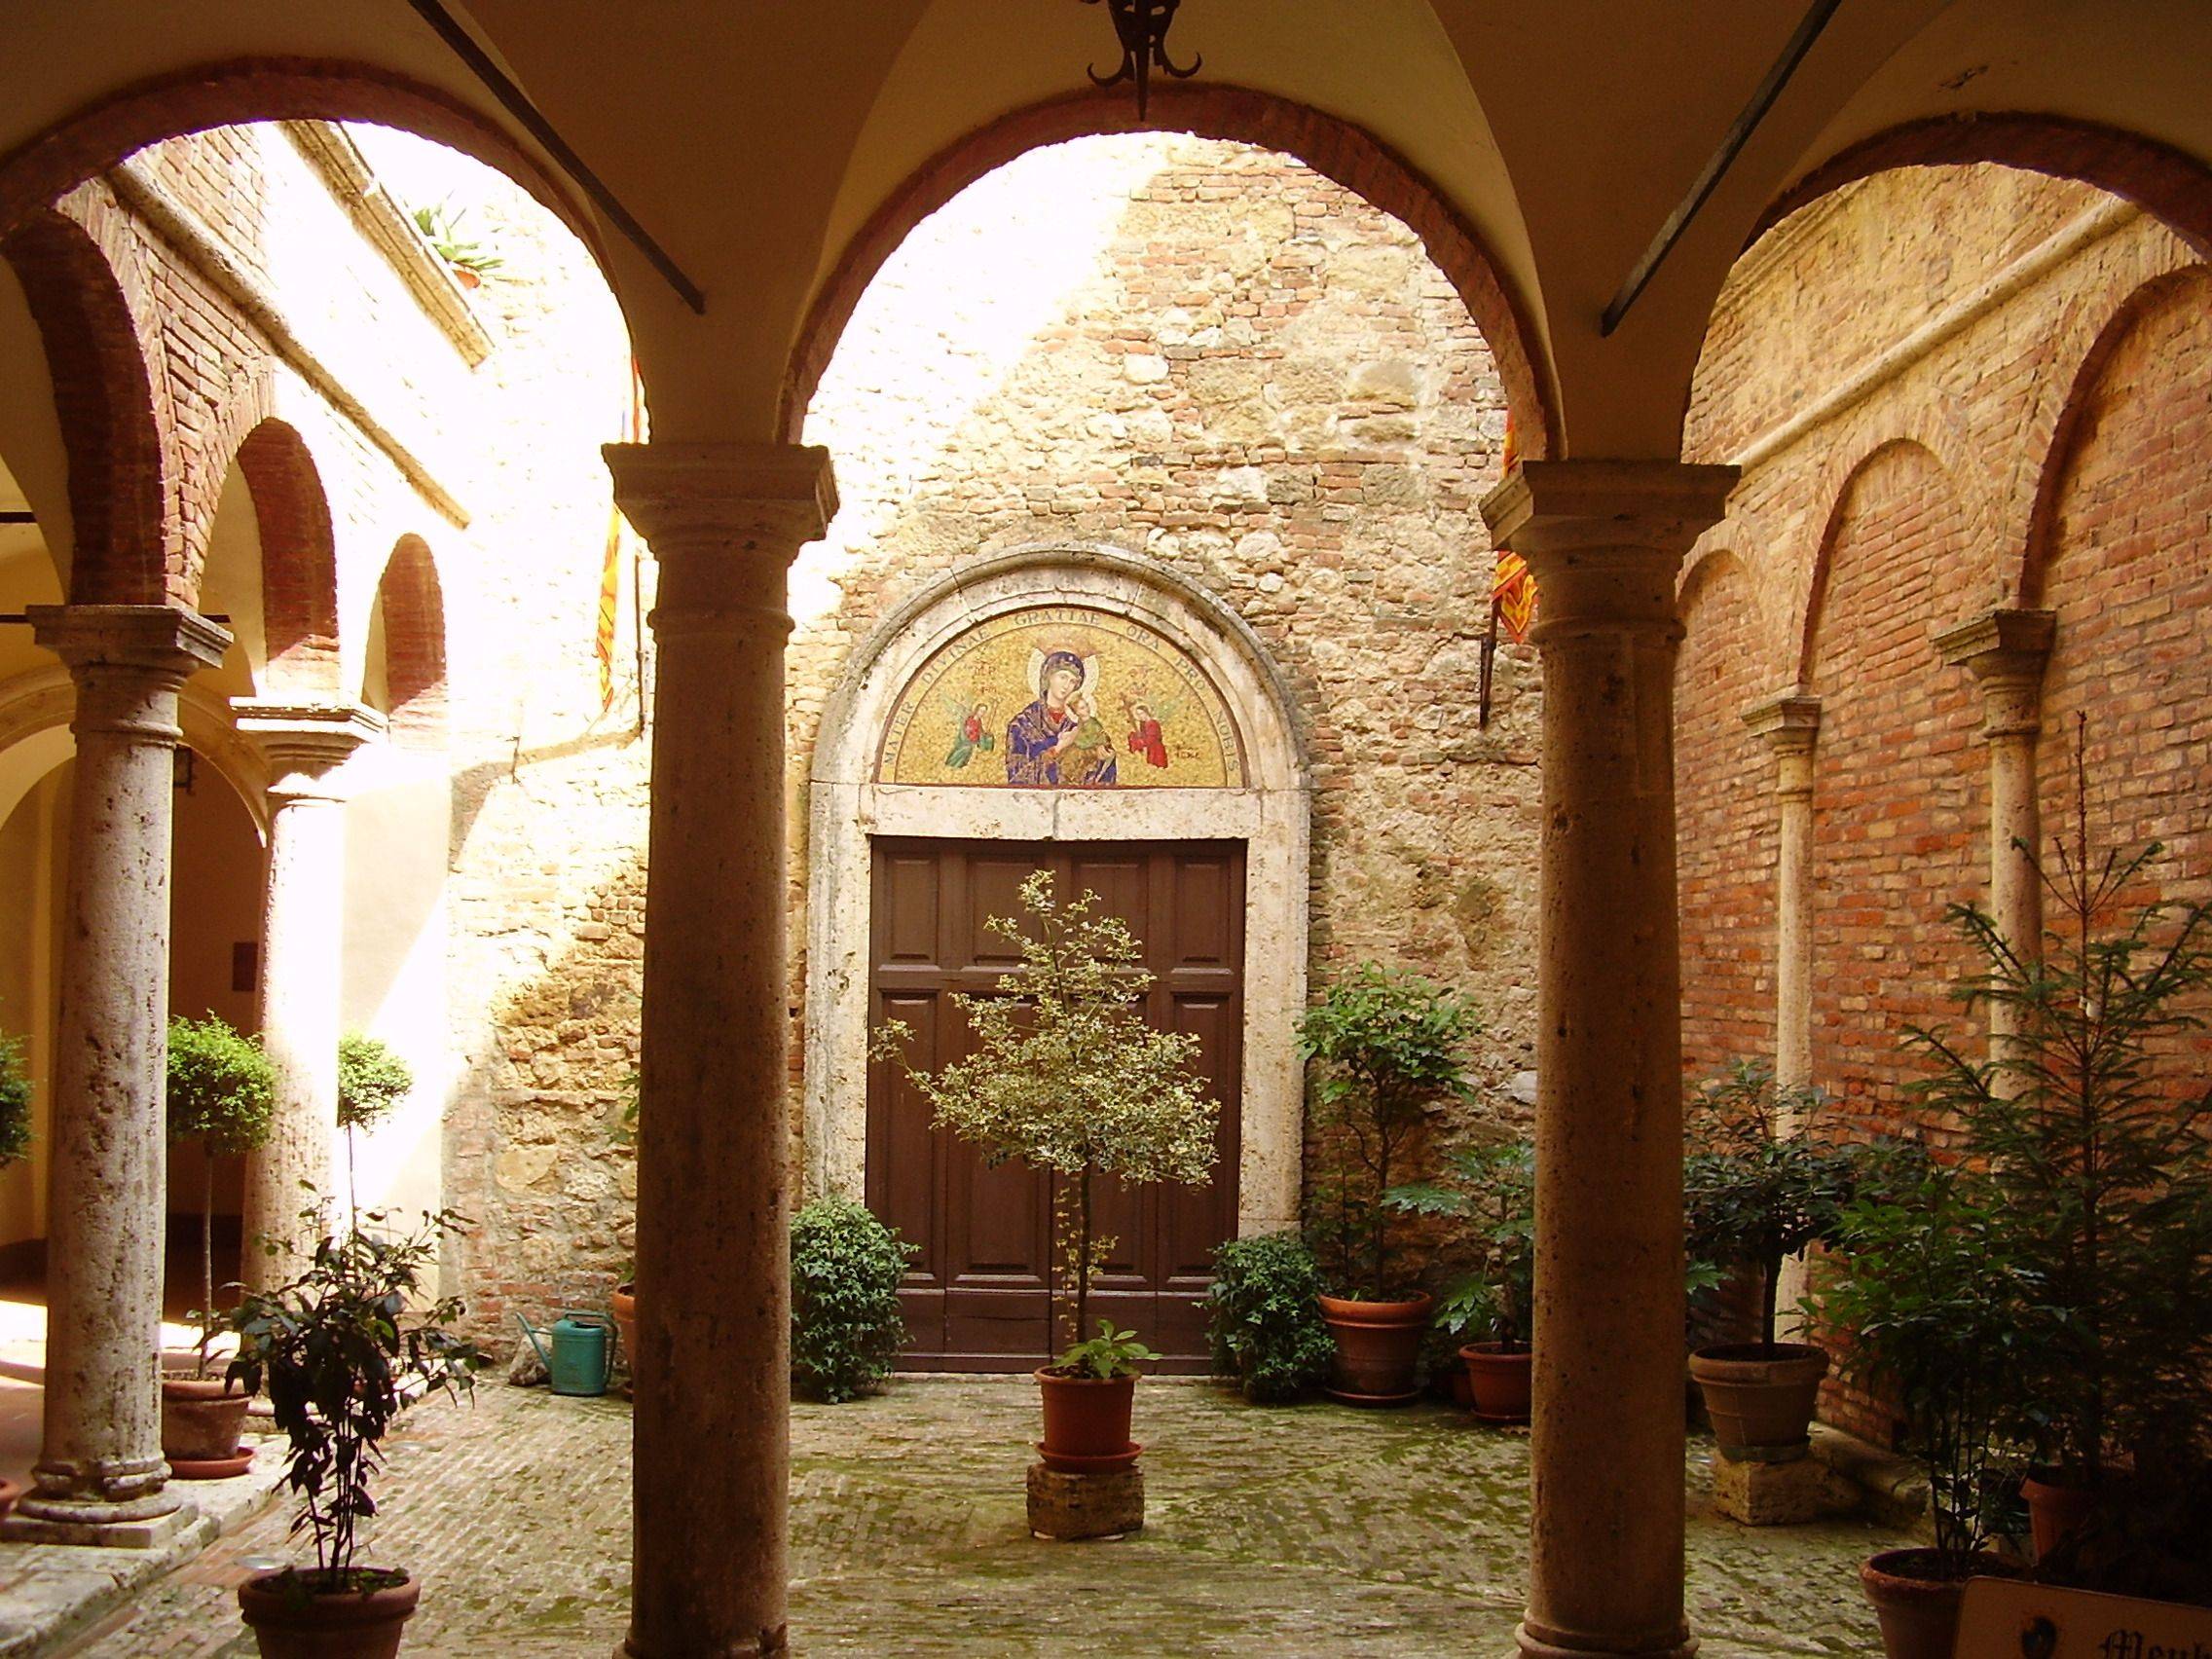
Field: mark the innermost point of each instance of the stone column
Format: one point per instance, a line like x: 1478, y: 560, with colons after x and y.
x: 100, y: 1478
x: 303, y: 918
x: 1790, y: 723
x: 2005, y: 649
x: 1605, y: 541
x: 711, y: 1438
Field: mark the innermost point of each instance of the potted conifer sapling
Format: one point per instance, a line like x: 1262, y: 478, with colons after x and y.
x: 1067, y: 1078
x: 221, y: 1093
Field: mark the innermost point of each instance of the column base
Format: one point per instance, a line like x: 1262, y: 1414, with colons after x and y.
x: 767, y: 1644
x: 1565, y: 1644
x: 99, y: 1525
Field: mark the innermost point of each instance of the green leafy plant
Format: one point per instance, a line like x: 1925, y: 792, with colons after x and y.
x: 1925, y: 1282
x: 341, y: 1355
x: 221, y: 1092
x: 1493, y: 1187
x: 14, y: 1102
x: 371, y: 1080
x: 1109, y: 1355
x: 1066, y: 1076
x: 846, y: 1328
x: 1264, y: 1324
x: 1384, y: 1048
x: 1758, y: 1184
x: 2091, y: 1123
x: 440, y: 225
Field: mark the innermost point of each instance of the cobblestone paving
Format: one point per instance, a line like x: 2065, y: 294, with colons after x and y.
x: 1304, y: 1531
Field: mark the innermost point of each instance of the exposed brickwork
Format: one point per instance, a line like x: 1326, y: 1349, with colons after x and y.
x: 299, y: 579
x: 414, y: 643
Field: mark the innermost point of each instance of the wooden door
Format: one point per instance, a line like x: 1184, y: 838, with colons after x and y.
x: 976, y: 1294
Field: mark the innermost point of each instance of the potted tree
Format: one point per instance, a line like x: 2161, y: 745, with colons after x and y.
x: 1924, y: 1283
x: 372, y: 1080
x: 622, y: 1300
x: 2091, y: 1120
x: 14, y: 1144
x: 1066, y: 1077
x: 1384, y: 1048
x: 341, y: 1355
x: 1493, y: 1187
x: 1758, y: 1186
x: 220, y: 1093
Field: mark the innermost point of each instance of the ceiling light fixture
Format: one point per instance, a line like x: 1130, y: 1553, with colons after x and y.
x: 1142, y: 25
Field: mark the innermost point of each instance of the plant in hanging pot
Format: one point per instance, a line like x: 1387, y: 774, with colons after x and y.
x: 1495, y: 1188
x: 221, y: 1093
x: 343, y: 1349
x: 1759, y: 1183
x: 1384, y: 1049
x: 2092, y: 1121
x: 1066, y: 1077
x: 1923, y: 1281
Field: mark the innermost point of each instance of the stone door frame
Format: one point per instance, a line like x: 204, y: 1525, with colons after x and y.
x: 1272, y: 815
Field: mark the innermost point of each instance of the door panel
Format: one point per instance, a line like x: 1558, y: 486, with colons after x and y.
x: 975, y: 1295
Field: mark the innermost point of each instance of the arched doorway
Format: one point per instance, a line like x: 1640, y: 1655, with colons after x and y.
x: 913, y: 843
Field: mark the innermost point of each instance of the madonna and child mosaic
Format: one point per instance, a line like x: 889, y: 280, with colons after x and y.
x: 1061, y: 697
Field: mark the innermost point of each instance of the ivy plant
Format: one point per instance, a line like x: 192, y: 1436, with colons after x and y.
x: 846, y: 1328
x: 1263, y: 1324
x: 1066, y: 1077
x: 1385, y: 1047
x: 221, y: 1092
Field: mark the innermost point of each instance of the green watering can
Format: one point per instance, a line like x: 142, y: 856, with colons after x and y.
x: 582, y: 1350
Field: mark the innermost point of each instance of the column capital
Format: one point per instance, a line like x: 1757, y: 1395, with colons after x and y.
x: 304, y: 741
x: 164, y: 642
x: 1790, y: 721
x: 2005, y: 649
x: 736, y: 497
x: 1606, y: 537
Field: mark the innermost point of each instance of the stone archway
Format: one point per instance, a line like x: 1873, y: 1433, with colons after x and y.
x: 1267, y: 807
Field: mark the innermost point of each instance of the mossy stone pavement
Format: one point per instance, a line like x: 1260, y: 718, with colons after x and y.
x: 1317, y: 1529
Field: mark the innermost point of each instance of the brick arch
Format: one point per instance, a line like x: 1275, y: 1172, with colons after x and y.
x: 238, y: 90
x: 2157, y: 177
x: 298, y: 560
x: 1332, y: 147
x: 1928, y: 436
x: 412, y: 600
x: 2070, y: 426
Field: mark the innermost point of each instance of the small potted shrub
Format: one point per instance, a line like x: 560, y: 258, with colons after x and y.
x: 1758, y: 1186
x: 2091, y: 1123
x: 14, y: 1145
x: 846, y: 1328
x: 1263, y: 1317
x: 1066, y: 1077
x: 1925, y: 1282
x: 1495, y: 1188
x: 1384, y: 1048
x: 343, y: 1349
x: 221, y: 1093
x: 622, y: 1300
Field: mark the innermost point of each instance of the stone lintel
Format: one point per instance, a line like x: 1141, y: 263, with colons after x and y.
x: 727, y: 497
x: 306, y: 739
x: 1789, y: 721
x: 160, y: 639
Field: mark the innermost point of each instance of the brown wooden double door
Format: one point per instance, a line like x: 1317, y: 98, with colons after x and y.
x: 976, y: 1294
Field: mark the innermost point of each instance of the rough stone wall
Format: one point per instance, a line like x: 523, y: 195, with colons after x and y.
x: 1266, y: 387
x: 1971, y: 462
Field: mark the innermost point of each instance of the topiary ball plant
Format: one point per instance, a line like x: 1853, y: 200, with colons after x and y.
x: 371, y: 1080
x: 221, y: 1093
x: 1263, y: 1317
x: 14, y: 1102
x: 846, y: 1327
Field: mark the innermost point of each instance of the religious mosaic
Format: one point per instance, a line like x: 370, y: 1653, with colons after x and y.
x: 1062, y: 697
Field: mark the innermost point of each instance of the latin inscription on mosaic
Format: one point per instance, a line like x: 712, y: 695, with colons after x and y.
x: 1062, y: 697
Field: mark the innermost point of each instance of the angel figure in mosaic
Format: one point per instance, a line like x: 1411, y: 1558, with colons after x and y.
x: 1146, y: 738
x: 969, y: 735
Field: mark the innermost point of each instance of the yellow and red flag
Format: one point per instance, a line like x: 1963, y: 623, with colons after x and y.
x: 611, y: 567
x: 1513, y: 589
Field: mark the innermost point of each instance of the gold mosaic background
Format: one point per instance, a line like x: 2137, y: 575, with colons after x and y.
x: 952, y: 723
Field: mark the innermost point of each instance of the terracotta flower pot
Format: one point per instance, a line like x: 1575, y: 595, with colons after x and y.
x: 293, y: 1618
x: 1916, y: 1595
x: 1499, y: 1379
x: 1086, y: 1422
x: 1760, y: 1398
x: 201, y: 1418
x: 1378, y: 1348
x: 2056, y: 1508
x: 623, y: 1304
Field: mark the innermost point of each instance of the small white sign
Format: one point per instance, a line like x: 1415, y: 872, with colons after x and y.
x: 2004, y: 1618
